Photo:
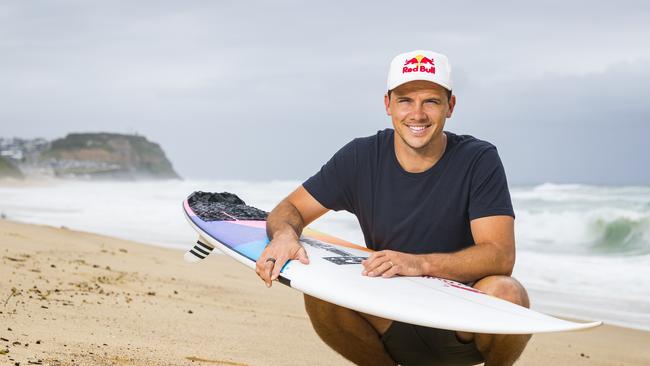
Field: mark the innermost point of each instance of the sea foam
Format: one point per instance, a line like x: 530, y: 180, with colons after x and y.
x: 582, y: 251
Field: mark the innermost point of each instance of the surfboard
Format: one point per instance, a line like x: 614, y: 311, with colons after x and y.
x: 224, y: 221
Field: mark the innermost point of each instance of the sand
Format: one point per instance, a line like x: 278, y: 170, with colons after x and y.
x: 75, y: 298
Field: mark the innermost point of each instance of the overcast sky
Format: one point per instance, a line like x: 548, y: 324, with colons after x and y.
x: 271, y: 89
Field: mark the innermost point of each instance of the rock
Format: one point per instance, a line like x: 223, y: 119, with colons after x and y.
x: 9, y: 170
x: 87, y: 156
x: 109, y: 155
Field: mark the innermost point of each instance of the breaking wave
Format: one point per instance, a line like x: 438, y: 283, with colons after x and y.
x: 577, y: 219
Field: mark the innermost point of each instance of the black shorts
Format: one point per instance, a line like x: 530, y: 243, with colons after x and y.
x: 413, y: 345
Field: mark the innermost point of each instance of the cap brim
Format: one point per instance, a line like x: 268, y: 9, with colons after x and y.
x: 418, y: 78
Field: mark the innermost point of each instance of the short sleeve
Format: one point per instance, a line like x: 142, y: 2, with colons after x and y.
x: 332, y: 184
x: 489, y: 194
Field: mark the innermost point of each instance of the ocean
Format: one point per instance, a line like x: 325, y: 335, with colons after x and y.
x: 582, y: 251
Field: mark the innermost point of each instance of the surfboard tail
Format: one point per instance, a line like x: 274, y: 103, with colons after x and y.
x: 199, y: 251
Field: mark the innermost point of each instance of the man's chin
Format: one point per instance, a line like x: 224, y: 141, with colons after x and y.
x: 418, y: 143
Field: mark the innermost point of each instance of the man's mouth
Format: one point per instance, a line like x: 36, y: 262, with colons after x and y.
x: 418, y: 129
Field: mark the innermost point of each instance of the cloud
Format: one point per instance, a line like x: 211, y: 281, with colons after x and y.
x: 245, y: 83
x: 567, y: 128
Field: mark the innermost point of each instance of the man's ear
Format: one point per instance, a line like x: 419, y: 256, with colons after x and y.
x: 452, y: 104
x: 387, y: 103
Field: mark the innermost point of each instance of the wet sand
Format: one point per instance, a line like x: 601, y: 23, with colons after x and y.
x: 75, y: 298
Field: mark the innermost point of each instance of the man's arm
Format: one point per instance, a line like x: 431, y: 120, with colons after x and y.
x: 283, y: 227
x: 493, y: 254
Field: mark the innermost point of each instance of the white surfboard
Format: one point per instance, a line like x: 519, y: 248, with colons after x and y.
x: 334, y: 275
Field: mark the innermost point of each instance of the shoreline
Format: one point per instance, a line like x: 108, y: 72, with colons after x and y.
x: 70, y: 297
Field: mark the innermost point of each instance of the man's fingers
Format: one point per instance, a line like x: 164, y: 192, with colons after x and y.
x: 259, y: 266
x: 380, y: 268
x: 273, y: 259
x: 368, y: 263
x: 392, y: 271
x: 374, y: 256
x: 383, y: 268
x: 267, y: 272
x: 375, y: 259
x: 302, y: 256
x: 277, y: 267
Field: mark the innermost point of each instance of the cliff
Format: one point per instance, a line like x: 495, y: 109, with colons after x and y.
x: 91, y: 156
x: 8, y: 170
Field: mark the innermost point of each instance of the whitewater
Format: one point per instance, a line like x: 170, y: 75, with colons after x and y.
x: 582, y: 251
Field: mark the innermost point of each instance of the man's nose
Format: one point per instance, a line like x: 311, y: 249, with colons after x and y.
x: 418, y: 113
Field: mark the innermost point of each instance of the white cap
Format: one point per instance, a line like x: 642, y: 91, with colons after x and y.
x: 419, y: 65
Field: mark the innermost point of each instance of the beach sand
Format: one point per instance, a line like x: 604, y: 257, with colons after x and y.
x: 75, y: 298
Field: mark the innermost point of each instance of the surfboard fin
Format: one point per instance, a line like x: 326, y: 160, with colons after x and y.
x: 199, y: 251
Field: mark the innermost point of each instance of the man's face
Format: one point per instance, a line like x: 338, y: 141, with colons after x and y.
x: 418, y: 110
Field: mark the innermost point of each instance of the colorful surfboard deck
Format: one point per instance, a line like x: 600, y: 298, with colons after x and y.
x: 223, y: 221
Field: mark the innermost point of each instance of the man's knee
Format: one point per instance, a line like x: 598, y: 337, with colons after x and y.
x: 504, y: 287
x: 347, y: 332
x: 319, y: 309
x: 325, y: 317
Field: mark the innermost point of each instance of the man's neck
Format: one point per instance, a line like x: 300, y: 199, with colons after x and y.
x: 420, y: 160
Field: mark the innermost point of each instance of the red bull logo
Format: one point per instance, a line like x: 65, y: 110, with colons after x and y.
x: 417, y: 64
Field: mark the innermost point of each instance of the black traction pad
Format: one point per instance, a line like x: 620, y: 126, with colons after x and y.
x: 224, y: 206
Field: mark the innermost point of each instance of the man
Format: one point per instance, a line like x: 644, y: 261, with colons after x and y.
x: 430, y: 203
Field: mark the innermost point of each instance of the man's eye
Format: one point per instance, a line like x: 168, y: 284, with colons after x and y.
x: 433, y: 101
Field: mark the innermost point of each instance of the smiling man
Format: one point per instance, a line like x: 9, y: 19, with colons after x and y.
x: 431, y: 203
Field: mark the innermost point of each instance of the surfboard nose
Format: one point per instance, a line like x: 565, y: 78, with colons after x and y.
x: 199, y: 251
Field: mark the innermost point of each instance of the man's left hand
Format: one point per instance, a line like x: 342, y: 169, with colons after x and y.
x: 388, y: 263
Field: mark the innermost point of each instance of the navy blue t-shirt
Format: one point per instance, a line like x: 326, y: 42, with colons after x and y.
x: 427, y: 212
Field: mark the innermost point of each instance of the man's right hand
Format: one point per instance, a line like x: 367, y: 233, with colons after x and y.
x: 284, y: 225
x: 283, y: 247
